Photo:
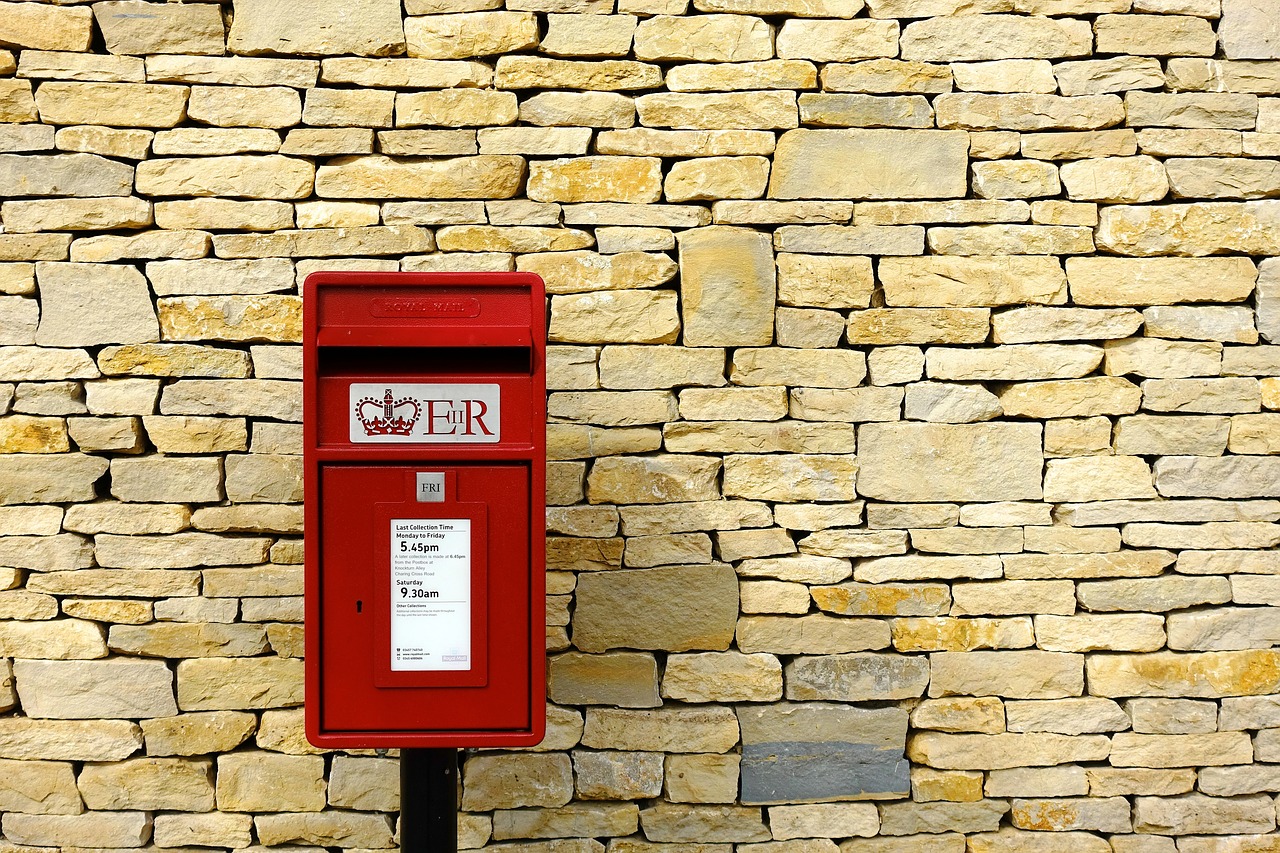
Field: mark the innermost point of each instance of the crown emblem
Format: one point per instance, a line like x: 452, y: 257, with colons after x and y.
x: 387, y: 416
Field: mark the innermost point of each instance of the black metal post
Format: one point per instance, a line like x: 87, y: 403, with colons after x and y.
x: 429, y: 800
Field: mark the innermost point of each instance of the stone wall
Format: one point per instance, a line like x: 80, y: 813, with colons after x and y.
x: 912, y: 459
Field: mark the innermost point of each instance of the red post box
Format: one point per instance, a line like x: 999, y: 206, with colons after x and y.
x: 424, y: 454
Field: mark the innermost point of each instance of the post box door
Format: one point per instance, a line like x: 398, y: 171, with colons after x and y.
x: 425, y: 593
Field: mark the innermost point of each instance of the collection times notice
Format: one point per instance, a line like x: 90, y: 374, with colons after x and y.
x: 430, y: 594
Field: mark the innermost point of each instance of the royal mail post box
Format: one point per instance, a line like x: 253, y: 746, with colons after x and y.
x: 425, y: 442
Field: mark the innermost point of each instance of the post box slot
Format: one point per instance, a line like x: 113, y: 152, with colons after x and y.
x: 424, y: 360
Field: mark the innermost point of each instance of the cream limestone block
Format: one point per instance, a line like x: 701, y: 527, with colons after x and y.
x: 636, y: 180
x: 913, y: 567
x: 851, y: 240
x: 444, y: 108
x: 811, y: 368
x: 706, y: 778
x: 728, y: 287
x: 233, y: 70
x: 723, y: 677
x: 331, y: 828
x: 588, y: 35
x: 1165, y: 142
x: 623, y: 679
x: 957, y: 786
x: 116, y: 300
x: 328, y: 141
x: 854, y: 543
x: 203, y: 829
x: 38, y: 247
x: 16, y: 102
x: 372, y: 784
x: 721, y: 77
x: 886, y: 76
x: 265, y: 781
x: 384, y: 177
x: 66, y: 689
x: 735, y: 545
x: 824, y: 281
x: 1092, y: 478
x: 618, y: 776
x: 231, y: 318
x: 930, y: 212
x: 676, y: 729
x: 797, y: 477
x: 1035, y: 324
x: 816, y: 164
x: 1139, y: 632
x: 814, y: 634
x: 950, y: 39
x: 1114, y: 146
x: 463, y: 36
x: 1003, y: 751
x: 1005, y: 75
x: 336, y: 214
x: 727, y: 111
x: 525, y: 140
x: 1014, y: 362
x: 33, y: 25
x: 781, y: 212
x: 982, y: 714
x: 228, y: 140
x: 1214, y: 323
x: 979, y: 281
x: 1248, y: 31
x: 137, y: 28
x: 627, y: 316
x: 404, y: 73
x: 82, y: 67
x: 1150, y: 109
x: 1011, y: 240
x: 689, y: 823
x: 797, y: 8
x: 269, y: 176
x: 918, y: 326
x: 685, y: 143
x: 537, y: 72
x: 62, y: 175
x: 1214, y: 396
x: 325, y: 242
x: 1058, y: 815
x: 638, y: 367
x: 29, y: 434
x: 112, y: 104
x: 808, y: 327
x: 892, y: 454
x: 740, y: 437
x: 149, y: 783
x: 704, y: 38
x: 91, y: 829
x: 857, y: 110
x: 146, y: 245
x: 214, y: 684
x: 1196, y: 813
x: 657, y: 479
x: 1206, y: 177
x: 578, y: 819
x: 856, y: 677
x: 715, y: 178
x: 697, y: 515
x: 832, y: 40
x: 1004, y: 598
x: 1223, y: 629
x: 949, y: 403
x: 1116, y: 180
x: 590, y: 109
x: 1254, y: 434
x: 1027, y: 112
x: 1102, y: 565
x: 365, y: 28
x: 572, y: 367
x: 173, y: 360
x: 613, y: 408
x: 1015, y: 179
x: 1161, y: 358
x: 211, y: 213
x: 824, y: 820
x: 1154, y: 35
x: 1067, y: 716
x: 273, y: 106
x: 39, y: 787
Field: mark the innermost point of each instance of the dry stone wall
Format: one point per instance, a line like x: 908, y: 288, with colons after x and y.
x: 914, y: 455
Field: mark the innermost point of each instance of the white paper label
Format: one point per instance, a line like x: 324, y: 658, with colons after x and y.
x: 400, y: 412
x: 430, y: 594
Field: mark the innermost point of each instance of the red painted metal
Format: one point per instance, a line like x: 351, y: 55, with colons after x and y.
x: 424, y: 328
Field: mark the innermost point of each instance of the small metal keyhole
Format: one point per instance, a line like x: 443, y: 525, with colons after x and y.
x: 359, y: 606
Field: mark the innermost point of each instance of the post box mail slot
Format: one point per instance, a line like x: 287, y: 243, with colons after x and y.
x: 424, y: 454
